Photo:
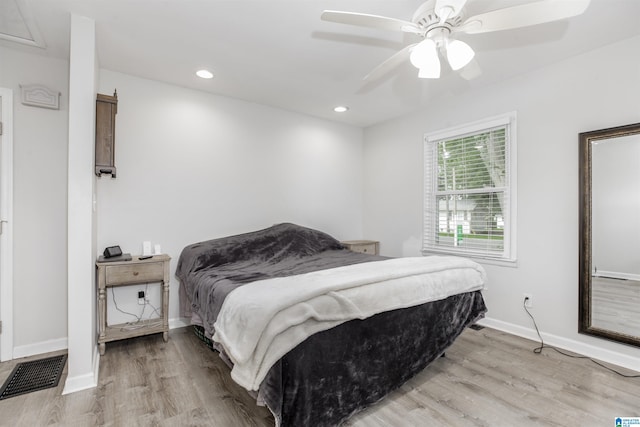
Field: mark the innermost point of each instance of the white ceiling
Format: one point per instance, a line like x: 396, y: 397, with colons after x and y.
x: 279, y: 52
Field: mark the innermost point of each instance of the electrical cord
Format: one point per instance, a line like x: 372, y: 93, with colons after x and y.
x: 538, y: 350
x: 139, y: 323
x: 115, y: 303
x: 146, y: 301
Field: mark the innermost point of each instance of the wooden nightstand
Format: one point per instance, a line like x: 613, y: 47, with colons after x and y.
x: 371, y: 247
x: 125, y: 273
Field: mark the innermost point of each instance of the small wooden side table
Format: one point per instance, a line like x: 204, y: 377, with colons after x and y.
x: 371, y: 247
x: 125, y: 273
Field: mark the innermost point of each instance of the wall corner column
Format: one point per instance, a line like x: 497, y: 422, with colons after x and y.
x: 81, y: 238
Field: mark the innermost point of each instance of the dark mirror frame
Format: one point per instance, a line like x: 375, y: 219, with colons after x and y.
x: 584, y: 298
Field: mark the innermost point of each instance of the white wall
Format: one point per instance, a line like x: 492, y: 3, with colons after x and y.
x: 192, y: 166
x: 596, y: 90
x: 184, y: 157
x: 40, y: 204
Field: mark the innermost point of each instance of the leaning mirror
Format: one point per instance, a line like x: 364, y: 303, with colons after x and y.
x: 610, y: 233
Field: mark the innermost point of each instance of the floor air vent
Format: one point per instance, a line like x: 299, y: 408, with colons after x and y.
x: 476, y: 327
x: 32, y: 376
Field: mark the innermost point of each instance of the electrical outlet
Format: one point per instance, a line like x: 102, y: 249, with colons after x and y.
x: 141, y: 298
x: 528, y: 300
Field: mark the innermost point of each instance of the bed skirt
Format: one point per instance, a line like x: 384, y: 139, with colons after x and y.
x: 339, y: 372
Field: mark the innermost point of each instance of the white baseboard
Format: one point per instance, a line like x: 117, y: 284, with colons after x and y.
x: 618, y: 275
x: 179, y: 322
x: 90, y: 380
x: 62, y: 344
x: 39, y: 348
x: 589, y: 350
x: 84, y: 381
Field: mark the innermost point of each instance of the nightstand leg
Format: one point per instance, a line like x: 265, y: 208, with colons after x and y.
x: 102, y: 314
x: 165, y: 305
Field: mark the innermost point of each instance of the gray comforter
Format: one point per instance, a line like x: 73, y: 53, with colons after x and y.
x: 337, y: 372
x: 209, y: 270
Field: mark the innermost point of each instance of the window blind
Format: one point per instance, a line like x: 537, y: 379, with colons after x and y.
x: 467, y: 189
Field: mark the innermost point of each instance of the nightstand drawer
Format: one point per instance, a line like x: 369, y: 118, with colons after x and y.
x: 370, y: 247
x: 365, y: 249
x: 135, y: 273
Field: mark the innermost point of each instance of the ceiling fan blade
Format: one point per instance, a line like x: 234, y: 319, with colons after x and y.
x: 523, y: 16
x: 454, y: 6
x: 371, y: 21
x: 391, y: 63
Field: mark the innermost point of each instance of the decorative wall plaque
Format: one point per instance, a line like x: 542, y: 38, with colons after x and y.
x: 40, y: 96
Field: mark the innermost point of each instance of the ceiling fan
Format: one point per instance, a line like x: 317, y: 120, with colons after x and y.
x: 438, y: 22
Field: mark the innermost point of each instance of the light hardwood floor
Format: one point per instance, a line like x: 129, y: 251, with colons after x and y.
x: 614, y: 305
x: 488, y: 378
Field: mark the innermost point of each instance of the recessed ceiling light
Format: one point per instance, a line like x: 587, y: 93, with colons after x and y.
x: 341, y: 109
x: 205, y: 74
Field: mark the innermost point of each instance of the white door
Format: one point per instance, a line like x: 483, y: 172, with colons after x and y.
x: 6, y: 224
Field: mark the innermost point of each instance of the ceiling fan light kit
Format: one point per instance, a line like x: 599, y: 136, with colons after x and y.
x: 459, y: 54
x: 430, y: 72
x: 424, y: 56
x: 436, y: 20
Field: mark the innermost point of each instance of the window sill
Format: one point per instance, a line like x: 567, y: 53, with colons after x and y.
x: 503, y: 262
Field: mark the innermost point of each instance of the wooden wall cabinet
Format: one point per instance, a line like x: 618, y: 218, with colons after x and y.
x: 106, y: 109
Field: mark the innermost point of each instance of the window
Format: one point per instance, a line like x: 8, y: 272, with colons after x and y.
x: 469, y: 193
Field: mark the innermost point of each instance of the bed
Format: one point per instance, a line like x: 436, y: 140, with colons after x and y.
x: 316, y: 332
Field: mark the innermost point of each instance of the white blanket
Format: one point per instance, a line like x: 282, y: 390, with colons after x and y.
x: 261, y: 321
